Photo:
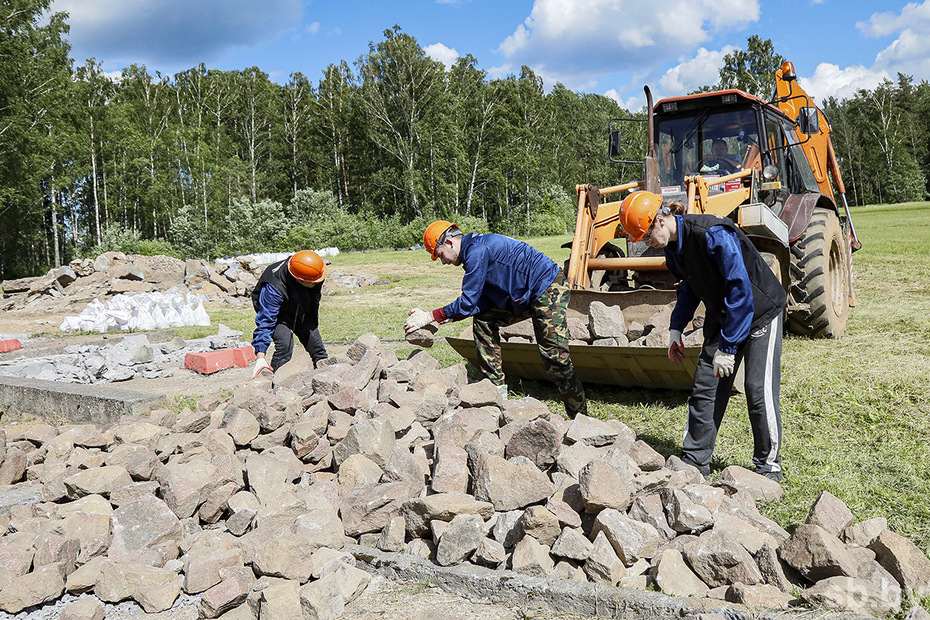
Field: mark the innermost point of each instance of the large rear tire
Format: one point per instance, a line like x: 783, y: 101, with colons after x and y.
x: 820, y: 278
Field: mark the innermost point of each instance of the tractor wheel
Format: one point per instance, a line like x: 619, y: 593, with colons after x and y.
x: 772, y: 261
x: 602, y: 280
x: 820, y: 278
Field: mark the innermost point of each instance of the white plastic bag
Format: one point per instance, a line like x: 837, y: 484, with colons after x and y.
x: 144, y: 311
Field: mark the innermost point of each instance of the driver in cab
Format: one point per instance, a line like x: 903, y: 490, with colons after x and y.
x: 720, y: 160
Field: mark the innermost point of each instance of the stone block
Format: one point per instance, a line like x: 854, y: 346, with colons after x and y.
x: 419, y: 512
x: 44, y: 584
x: 674, y: 577
x: 602, y: 564
x: 721, y: 562
x: 538, y: 441
x: 531, y: 558
x: 510, y: 485
x: 84, y: 609
x: 816, y: 554
x: 465, y: 533
x: 603, y: 486
x: 222, y: 597
x: 830, y: 513
x: 905, y: 560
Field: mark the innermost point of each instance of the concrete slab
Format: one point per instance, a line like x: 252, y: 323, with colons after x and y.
x: 75, y: 403
x: 585, y: 599
x: 47, y: 347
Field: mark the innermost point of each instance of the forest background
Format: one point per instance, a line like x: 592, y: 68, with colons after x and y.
x: 205, y: 163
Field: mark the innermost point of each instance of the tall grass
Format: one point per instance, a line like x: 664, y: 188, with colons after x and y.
x: 856, y: 411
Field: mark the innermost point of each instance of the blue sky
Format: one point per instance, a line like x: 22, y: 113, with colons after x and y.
x: 609, y: 47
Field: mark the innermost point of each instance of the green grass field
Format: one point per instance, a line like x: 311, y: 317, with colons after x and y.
x: 856, y: 411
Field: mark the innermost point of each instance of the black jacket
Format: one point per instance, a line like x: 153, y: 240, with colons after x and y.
x: 301, y: 304
x: 705, y: 280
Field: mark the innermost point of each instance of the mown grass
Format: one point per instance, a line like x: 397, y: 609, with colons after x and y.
x: 856, y: 411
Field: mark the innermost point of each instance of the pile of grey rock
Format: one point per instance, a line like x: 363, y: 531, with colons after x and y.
x: 251, y: 502
x: 112, y: 273
x: 133, y: 356
x: 606, y: 326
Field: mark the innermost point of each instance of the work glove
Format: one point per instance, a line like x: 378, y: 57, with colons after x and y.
x: 723, y: 364
x: 417, y: 319
x: 676, y: 350
x: 261, y: 365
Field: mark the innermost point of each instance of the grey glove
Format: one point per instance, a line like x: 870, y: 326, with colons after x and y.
x: 723, y: 364
x: 676, y: 350
x: 418, y: 319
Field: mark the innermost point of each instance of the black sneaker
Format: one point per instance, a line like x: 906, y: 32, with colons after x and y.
x: 777, y: 476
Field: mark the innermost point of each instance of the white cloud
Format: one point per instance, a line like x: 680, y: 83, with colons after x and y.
x: 441, y: 53
x: 692, y: 73
x: 883, y: 24
x: 313, y: 28
x: 577, y: 40
x: 830, y: 80
x: 500, y: 71
x: 631, y: 104
x: 909, y: 53
x: 172, y: 31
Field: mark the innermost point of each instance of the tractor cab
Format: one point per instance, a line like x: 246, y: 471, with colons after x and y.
x: 716, y: 134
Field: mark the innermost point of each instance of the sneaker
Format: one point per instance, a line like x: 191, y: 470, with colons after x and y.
x: 777, y: 476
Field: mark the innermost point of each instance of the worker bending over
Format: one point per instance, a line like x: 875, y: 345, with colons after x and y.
x: 718, y: 265
x: 287, y: 299
x: 506, y: 281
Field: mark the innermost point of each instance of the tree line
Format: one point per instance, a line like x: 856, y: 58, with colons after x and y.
x: 207, y: 162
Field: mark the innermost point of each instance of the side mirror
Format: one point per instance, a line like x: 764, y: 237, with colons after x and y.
x: 808, y: 120
x: 613, y: 148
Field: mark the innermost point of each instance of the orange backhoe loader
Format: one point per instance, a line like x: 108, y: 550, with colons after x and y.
x: 769, y: 166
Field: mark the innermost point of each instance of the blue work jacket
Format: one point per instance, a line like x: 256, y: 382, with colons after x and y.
x: 502, y: 273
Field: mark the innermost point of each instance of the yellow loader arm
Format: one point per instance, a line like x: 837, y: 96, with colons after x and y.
x: 598, y: 223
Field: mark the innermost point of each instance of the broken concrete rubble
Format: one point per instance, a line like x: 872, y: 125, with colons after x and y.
x: 252, y: 500
x: 134, y: 355
x: 112, y: 273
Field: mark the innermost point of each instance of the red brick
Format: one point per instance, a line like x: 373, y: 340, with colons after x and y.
x: 210, y: 362
x: 243, y: 355
x: 11, y: 345
x: 213, y: 361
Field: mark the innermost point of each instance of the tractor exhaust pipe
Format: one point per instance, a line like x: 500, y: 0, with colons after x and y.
x: 652, y: 163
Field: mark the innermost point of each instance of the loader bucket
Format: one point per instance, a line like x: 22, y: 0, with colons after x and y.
x: 644, y: 367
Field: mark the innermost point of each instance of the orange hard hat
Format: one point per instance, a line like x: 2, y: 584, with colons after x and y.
x: 433, y: 236
x: 638, y: 212
x: 307, y: 266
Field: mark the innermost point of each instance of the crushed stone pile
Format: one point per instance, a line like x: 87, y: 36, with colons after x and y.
x: 248, y: 503
x: 85, y: 281
x: 133, y: 356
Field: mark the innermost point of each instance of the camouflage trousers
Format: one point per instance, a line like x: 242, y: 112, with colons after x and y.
x: 550, y: 323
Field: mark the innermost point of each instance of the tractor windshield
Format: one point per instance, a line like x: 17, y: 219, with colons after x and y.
x: 711, y: 144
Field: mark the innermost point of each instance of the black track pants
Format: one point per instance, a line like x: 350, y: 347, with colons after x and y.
x: 284, y: 344
x: 760, y: 356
